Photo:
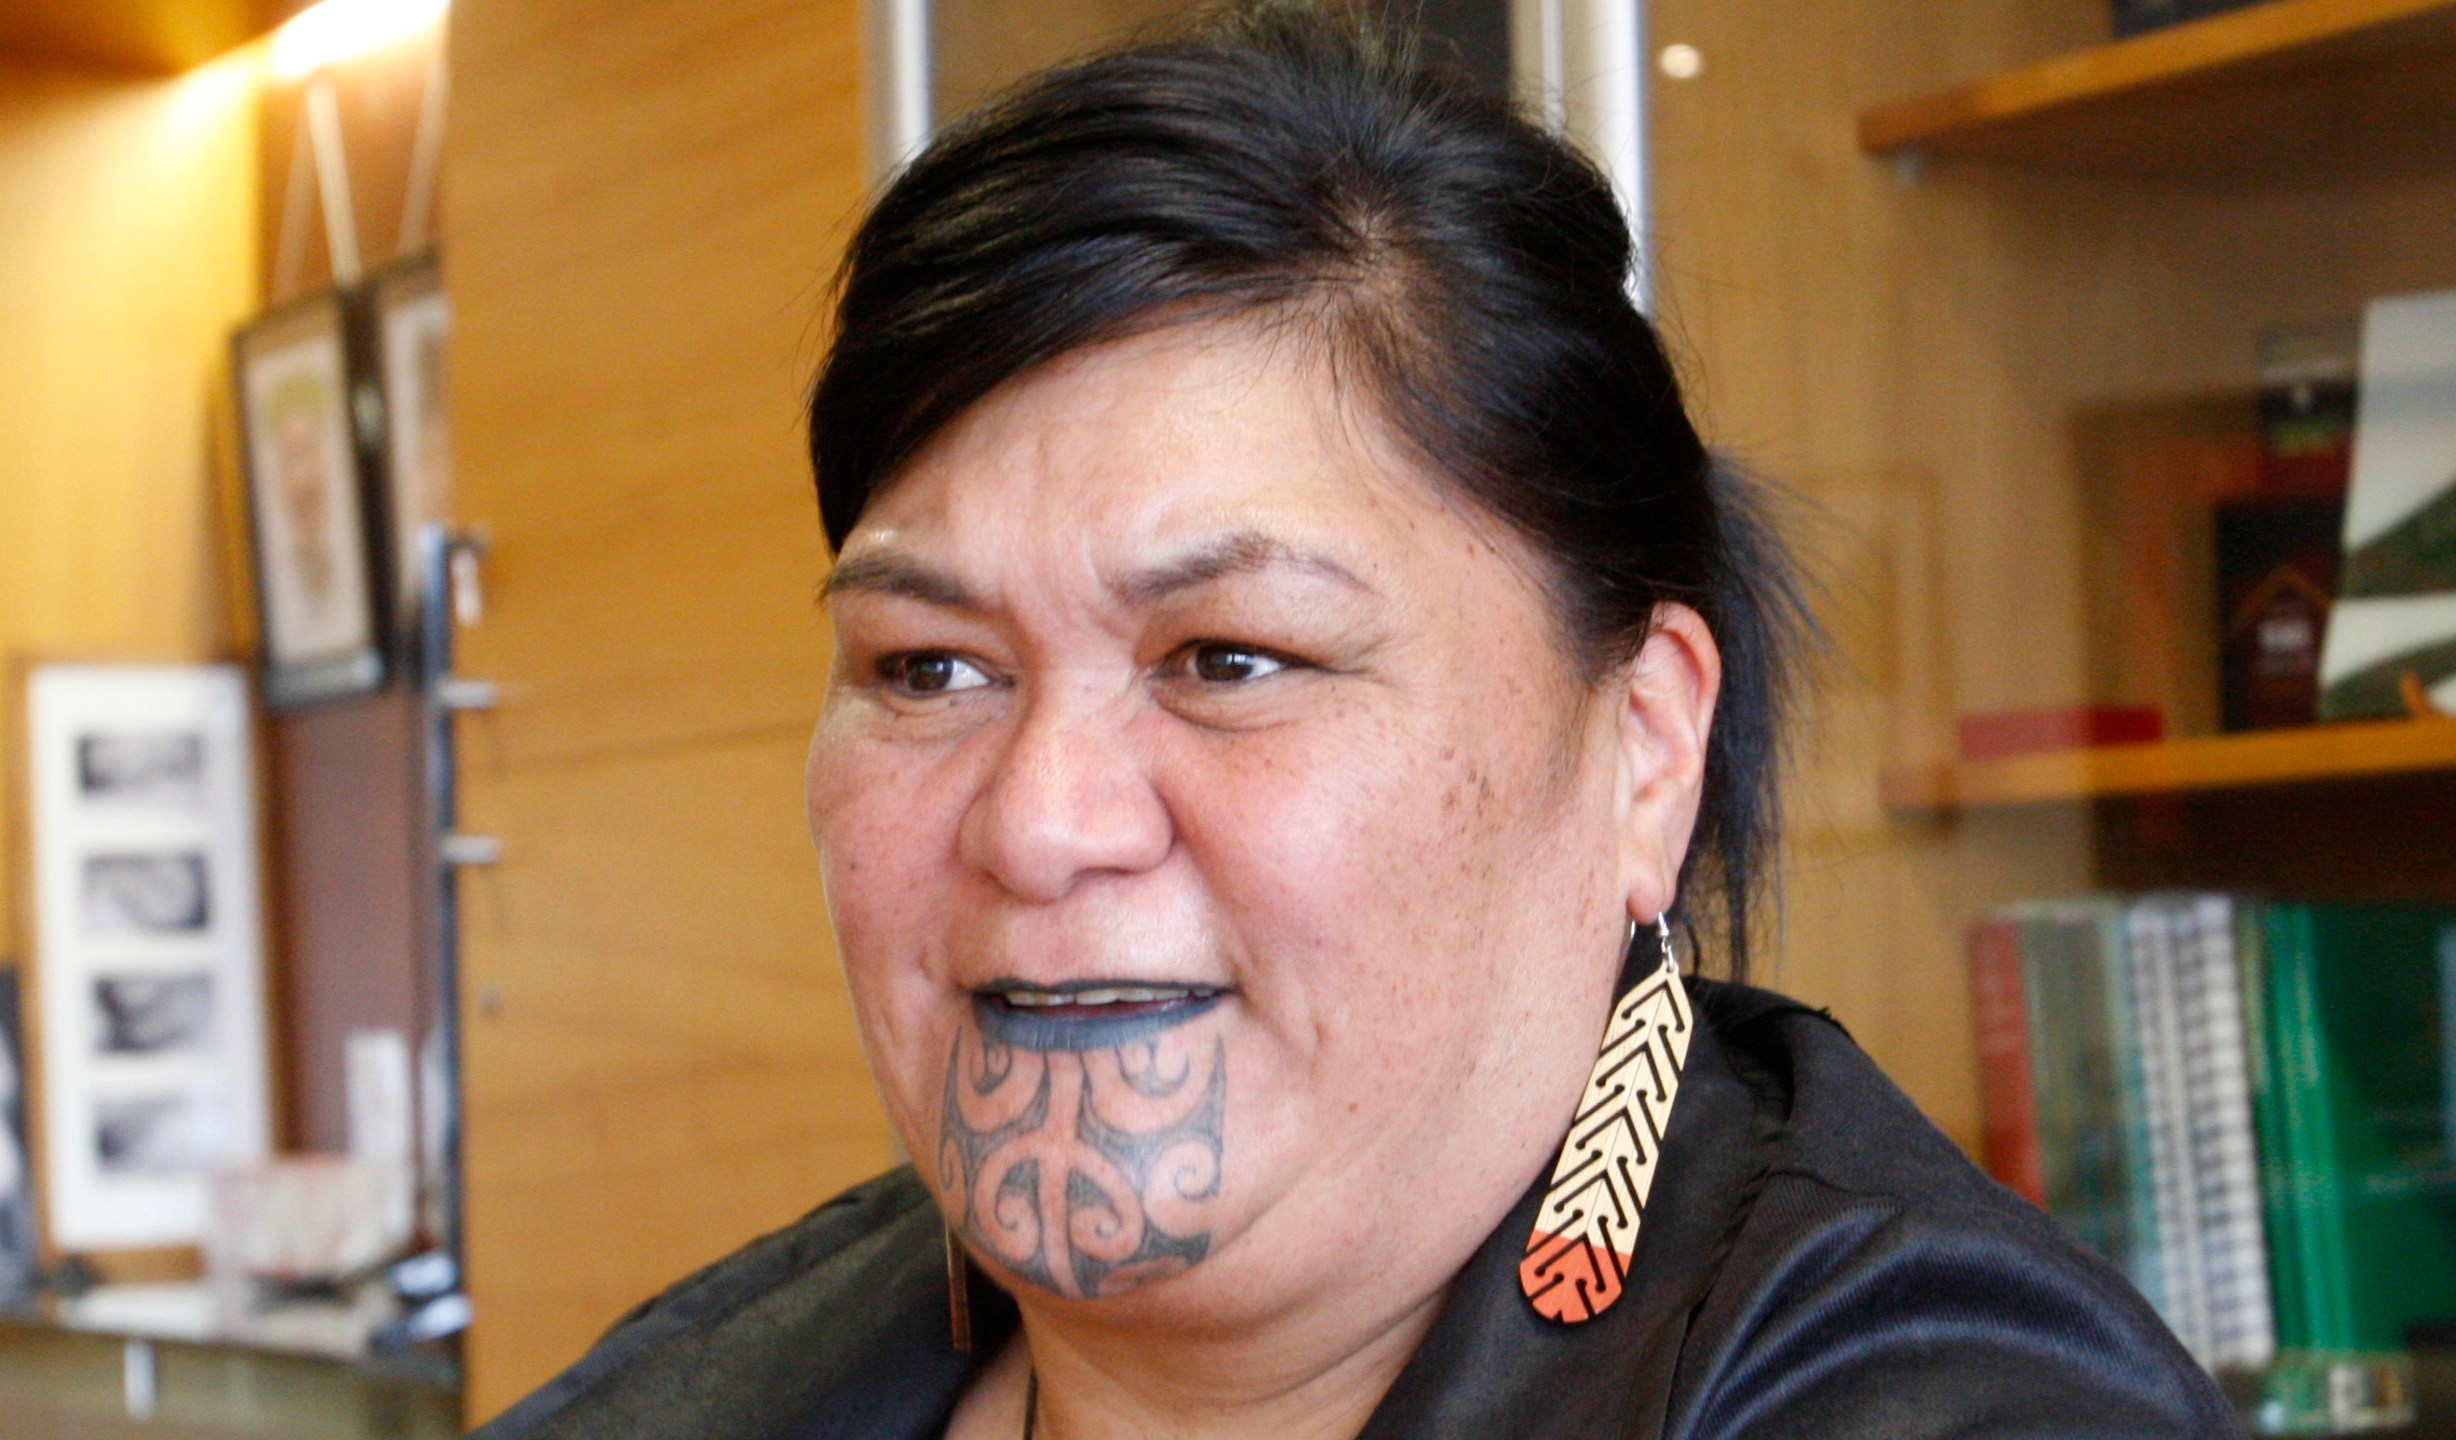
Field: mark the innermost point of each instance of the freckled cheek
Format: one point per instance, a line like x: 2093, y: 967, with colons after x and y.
x: 1329, y: 864
x: 885, y: 821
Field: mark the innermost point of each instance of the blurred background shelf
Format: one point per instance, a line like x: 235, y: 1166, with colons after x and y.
x: 2275, y: 88
x: 2253, y: 759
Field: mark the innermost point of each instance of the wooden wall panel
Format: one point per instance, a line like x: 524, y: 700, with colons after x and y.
x: 127, y: 231
x: 644, y: 200
x: 1929, y: 355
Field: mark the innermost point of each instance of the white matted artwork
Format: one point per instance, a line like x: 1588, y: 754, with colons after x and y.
x: 2391, y: 643
x: 316, y: 569
x: 413, y: 331
x: 149, y: 951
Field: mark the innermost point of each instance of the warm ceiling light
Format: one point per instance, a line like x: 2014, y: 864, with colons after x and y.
x: 335, y: 30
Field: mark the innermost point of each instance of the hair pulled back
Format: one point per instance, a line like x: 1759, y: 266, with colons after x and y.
x: 1462, y: 267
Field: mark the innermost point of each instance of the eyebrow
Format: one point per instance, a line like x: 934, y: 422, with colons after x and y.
x: 895, y: 575
x: 1241, y: 552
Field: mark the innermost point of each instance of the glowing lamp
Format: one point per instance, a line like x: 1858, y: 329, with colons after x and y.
x: 335, y: 30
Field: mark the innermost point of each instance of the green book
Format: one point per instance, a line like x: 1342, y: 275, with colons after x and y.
x: 2355, y: 1022
x: 2268, y: 1118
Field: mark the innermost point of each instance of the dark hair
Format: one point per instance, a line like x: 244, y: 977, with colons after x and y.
x: 1467, y: 269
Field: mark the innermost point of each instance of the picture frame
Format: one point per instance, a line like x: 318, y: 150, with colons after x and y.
x: 2390, y: 649
x: 412, y: 324
x: 322, y: 564
x: 20, y: 1247
x: 148, y: 1031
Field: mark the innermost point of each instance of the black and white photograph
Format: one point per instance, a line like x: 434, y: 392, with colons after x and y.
x: 142, y: 769
x: 147, y: 893
x: 169, y: 1133
x: 19, y: 1249
x: 148, y: 948
x: 152, y: 1014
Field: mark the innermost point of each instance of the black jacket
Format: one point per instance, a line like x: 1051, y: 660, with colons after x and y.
x: 1818, y: 1263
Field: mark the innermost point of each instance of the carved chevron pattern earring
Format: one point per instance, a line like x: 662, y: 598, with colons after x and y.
x: 1586, y: 1232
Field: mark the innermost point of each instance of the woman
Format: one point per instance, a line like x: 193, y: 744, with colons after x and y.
x: 1293, y: 663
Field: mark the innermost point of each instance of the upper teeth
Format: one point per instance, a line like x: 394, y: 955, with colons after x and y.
x: 1104, y: 995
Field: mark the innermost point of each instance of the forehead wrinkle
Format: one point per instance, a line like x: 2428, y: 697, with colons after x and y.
x: 1241, y: 552
x: 1010, y: 468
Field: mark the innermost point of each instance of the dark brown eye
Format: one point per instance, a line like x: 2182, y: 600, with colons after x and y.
x: 1217, y: 664
x: 930, y: 672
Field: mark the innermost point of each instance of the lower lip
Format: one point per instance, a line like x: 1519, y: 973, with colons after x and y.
x: 1084, y: 1027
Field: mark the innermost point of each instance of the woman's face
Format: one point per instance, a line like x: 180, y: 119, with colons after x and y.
x: 1229, y: 869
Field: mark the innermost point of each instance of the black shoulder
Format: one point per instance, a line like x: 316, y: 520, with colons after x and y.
x: 759, y: 1336
x: 1882, y: 1286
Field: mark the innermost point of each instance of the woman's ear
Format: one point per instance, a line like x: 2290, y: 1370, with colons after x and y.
x: 1666, y: 699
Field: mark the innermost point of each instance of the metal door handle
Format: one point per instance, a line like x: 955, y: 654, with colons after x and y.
x: 460, y: 848
x: 456, y: 692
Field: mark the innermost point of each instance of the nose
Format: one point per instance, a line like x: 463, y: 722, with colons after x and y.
x: 1067, y: 800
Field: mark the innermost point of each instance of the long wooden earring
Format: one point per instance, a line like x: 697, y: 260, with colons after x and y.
x: 959, y: 1292
x: 1586, y: 1232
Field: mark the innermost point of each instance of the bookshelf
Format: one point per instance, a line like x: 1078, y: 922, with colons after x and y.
x: 2256, y: 759
x: 2359, y: 89
x: 1994, y: 290
x: 2278, y: 87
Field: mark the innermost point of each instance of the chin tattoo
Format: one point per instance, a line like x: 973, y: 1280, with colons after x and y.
x: 1083, y: 1158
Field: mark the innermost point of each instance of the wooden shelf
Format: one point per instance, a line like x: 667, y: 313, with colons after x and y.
x: 2311, y: 754
x: 2284, y: 87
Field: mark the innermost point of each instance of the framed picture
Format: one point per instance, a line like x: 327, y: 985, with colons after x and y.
x: 2391, y: 643
x: 148, y: 965
x: 321, y: 570
x: 413, y: 331
x: 20, y: 1256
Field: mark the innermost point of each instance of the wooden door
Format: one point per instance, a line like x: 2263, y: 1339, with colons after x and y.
x: 644, y: 201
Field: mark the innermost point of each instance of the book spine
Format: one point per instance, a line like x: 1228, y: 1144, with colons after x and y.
x: 2225, y: 1156
x: 2446, y: 948
x: 2309, y: 1168
x: 2080, y: 1152
x: 2000, y: 1008
x: 2261, y: 1063
x: 2383, y: 1183
x: 2055, y: 1070
x: 2149, y: 971
x: 2105, y: 944
x: 2138, y: 17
